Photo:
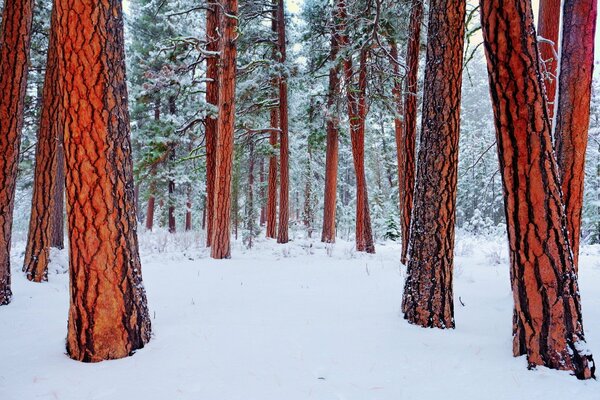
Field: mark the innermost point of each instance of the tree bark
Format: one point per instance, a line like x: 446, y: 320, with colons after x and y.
x: 272, y: 184
x: 547, y: 324
x: 548, y: 28
x: 220, y: 243
x: 284, y: 169
x: 57, y: 239
x: 213, y: 18
x: 108, y: 314
x: 261, y: 177
x: 573, y: 108
x: 17, y: 17
x: 171, y: 186
x: 408, y: 140
x: 331, y: 156
x: 47, y: 182
x: 428, y: 294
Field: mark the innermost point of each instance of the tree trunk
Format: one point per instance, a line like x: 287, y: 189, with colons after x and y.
x: 221, y: 235
x: 263, y: 214
x: 15, y: 38
x: 573, y: 111
x: 548, y: 28
x: 152, y: 189
x: 108, y: 314
x: 47, y: 184
x: 408, y: 141
x: 428, y: 295
x: 172, y: 158
x: 547, y: 320
x: 57, y: 240
x: 213, y: 18
x: 284, y: 169
x: 331, y: 157
x: 272, y: 184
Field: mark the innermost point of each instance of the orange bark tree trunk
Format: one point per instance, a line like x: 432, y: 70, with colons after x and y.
x: 331, y: 156
x: 213, y: 17
x: 284, y: 168
x: 547, y: 320
x: 428, y: 294
x: 398, y: 118
x: 47, y: 182
x: 15, y: 37
x: 108, y: 314
x: 221, y: 235
x: 271, y: 231
x: 548, y: 28
x: 408, y: 140
x: 573, y: 111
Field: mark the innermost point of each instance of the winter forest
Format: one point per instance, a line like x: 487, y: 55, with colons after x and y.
x: 326, y: 199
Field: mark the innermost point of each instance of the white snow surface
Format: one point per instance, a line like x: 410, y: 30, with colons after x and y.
x: 297, y: 321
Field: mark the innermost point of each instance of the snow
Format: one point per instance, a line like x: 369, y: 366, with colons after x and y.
x: 299, y: 321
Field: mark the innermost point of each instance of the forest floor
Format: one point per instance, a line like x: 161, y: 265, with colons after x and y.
x: 294, y: 322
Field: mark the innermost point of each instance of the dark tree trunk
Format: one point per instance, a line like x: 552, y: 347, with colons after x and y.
x: 263, y: 214
x: 108, y: 314
x: 48, y: 184
x: 428, y: 295
x: 221, y: 235
x: 213, y: 18
x: 547, y: 319
x: 573, y: 116
x: 15, y: 36
x: 284, y: 169
x: 57, y: 239
x: 408, y: 141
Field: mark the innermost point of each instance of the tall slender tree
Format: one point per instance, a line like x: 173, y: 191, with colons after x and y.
x: 48, y: 183
x: 284, y: 168
x: 547, y: 324
x: 548, y: 29
x: 428, y: 292
x: 213, y: 17
x: 221, y: 236
x: 573, y: 108
x: 15, y: 39
x: 409, y: 130
x: 108, y: 314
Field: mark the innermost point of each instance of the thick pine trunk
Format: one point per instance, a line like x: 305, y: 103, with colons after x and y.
x: 573, y: 111
x: 284, y: 168
x: 47, y: 184
x: 108, y: 314
x: 408, y: 141
x: 221, y: 235
x: 213, y: 17
x: 428, y: 295
x: 57, y: 240
x: 547, y: 320
x: 331, y: 156
x: 15, y: 38
x: 548, y: 28
x: 272, y: 184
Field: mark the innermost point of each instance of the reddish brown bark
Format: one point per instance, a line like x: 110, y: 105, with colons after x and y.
x: 220, y: 242
x: 284, y: 169
x: 150, y: 211
x: 428, y: 292
x: 331, y: 156
x: 261, y: 177
x: 47, y: 182
x: 548, y: 27
x: 108, y: 315
x: 15, y: 37
x: 573, y: 111
x: 408, y: 141
x: 272, y: 184
x: 188, y: 215
x: 547, y: 320
x: 213, y: 17
x: 398, y: 119
x: 57, y: 240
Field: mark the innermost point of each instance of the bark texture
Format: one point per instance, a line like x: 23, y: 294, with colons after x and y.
x: 408, y: 140
x: 548, y: 28
x: 331, y: 156
x: 284, y: 168
x: 428, y: 295
x: 573, y: 108
x: 48, y: 185
x: 221, y: 235
x: 15, y: 37
x: 108, y: 314
x: 272, y: 183
x: 213, y: 18
x: 547, y: 325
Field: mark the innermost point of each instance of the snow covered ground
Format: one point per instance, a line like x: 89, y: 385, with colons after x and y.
x: 300, y: 321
